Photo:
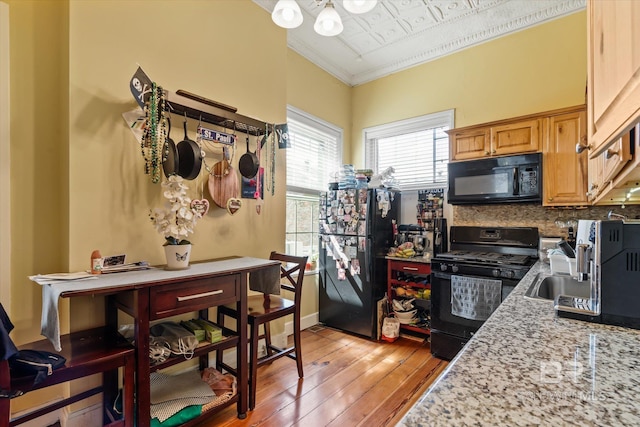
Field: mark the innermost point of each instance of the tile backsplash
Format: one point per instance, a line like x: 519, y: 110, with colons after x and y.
x: 530, y: 215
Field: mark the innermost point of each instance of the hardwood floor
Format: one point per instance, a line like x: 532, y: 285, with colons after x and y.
x: 348, y: 381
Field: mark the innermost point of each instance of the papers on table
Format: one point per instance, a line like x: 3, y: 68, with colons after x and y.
x: 142, y: 265
x: 46, y: 279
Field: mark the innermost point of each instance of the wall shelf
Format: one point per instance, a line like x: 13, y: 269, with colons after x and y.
x: 181, y: 105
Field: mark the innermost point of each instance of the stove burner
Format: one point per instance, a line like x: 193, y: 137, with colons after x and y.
x: 488, y: 257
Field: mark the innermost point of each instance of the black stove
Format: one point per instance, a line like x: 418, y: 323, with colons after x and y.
x: 485, y: 257
x: 468, y: 283
x: 506, y: 252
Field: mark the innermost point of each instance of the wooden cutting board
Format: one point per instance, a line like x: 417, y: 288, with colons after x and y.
x: 223, y: 187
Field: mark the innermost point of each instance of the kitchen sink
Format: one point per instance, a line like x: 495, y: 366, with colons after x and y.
x: 549, y: 287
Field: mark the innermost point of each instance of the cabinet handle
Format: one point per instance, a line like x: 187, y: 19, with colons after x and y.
x: 410, y: 268
x: 486, y: 153
x: 582, y: 145
x: 551, y: 199
x: 610, y: 153
x: 202, y: 295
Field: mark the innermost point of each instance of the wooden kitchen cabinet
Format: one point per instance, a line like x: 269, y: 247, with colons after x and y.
x: 615, y: 158
x: 614, y: 174
x: 504, y: 137
x: 516, y: 138
x: 564, y: 170
x: 596, y: 184
x: 470, y: 144
x: 613, y: 70
x: 605, y: 168
x: 412, y: 275
x: 556, y: 133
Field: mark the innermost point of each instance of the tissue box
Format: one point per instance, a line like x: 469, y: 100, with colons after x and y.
x: 562, y: 264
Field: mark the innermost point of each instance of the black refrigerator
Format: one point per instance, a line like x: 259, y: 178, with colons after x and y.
x: 356, y: 231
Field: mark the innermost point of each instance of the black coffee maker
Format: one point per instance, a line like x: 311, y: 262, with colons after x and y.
x: 611, y: 268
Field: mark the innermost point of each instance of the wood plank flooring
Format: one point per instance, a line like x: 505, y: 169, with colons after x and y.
x: 348, y: 381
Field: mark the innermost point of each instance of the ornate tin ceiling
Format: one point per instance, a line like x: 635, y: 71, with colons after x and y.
x: 399, y: 34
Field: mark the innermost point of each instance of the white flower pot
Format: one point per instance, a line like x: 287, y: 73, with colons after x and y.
x: 177, y: 256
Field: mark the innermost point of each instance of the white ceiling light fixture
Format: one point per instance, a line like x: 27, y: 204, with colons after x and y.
x: 287, y: 14
x: 328, y: 22
x: 359, y: 6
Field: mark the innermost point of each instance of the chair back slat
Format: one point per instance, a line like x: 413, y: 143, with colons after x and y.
x: 292, y: 272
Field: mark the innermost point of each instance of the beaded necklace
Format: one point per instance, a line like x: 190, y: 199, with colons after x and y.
x: 155, y: 134
x: 270, y: 171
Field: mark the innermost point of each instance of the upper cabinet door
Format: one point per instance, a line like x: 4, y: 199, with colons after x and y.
x: 469, y: 144
x: 515, y: 138
x: 565, y: 171
x: 613, y: 70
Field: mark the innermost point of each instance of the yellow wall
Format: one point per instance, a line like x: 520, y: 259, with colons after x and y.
x: 198, y: 46
x: 539, y: 69
x: 38, y: 151
x: 39, y: 193
x: 77, y: 180
x: 311, y: 89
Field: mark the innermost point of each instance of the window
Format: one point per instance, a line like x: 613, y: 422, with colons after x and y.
x: 314, y: 154
x: 417, y: 149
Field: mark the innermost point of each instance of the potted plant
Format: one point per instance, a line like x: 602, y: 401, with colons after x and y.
x: 175, y: 221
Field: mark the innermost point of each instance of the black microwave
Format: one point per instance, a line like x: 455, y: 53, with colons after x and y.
x: 505, y: 179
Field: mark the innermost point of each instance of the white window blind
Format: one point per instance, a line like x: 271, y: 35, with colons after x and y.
x: 417, y: 149
x: 314, y: 153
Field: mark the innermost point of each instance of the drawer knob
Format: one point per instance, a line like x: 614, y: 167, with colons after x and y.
x: 610, y: 153
x: 202, y: 295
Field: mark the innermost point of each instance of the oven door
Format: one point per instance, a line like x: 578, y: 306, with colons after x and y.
x: 461, y: 304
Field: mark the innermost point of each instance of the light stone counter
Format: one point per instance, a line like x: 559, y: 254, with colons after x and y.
x: 527, y: 367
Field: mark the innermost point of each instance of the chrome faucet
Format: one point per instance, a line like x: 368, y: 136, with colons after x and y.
x: 613, y: 215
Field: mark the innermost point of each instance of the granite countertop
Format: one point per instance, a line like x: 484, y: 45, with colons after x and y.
x: 527, y: 367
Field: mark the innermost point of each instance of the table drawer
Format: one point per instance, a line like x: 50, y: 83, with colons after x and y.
x: 198, y: 294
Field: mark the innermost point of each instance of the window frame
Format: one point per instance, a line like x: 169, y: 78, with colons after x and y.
x: 400, y: 127
x: 297, y: 193
x: 313, y: 121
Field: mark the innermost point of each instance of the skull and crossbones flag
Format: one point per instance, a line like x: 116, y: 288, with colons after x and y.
x: 141, y: 86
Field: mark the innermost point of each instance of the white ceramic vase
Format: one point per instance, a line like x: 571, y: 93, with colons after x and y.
x: 177, y: 256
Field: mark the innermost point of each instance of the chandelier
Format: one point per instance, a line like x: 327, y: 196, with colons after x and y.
x: 287, y: 14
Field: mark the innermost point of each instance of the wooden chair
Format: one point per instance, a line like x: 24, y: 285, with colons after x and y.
x: 264, y: 308
x: 87, y: 352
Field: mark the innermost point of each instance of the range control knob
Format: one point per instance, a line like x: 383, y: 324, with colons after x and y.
x: 495, y: 272
x: 510, y: 274
x: 443, y: 267
x: 454, y: 268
